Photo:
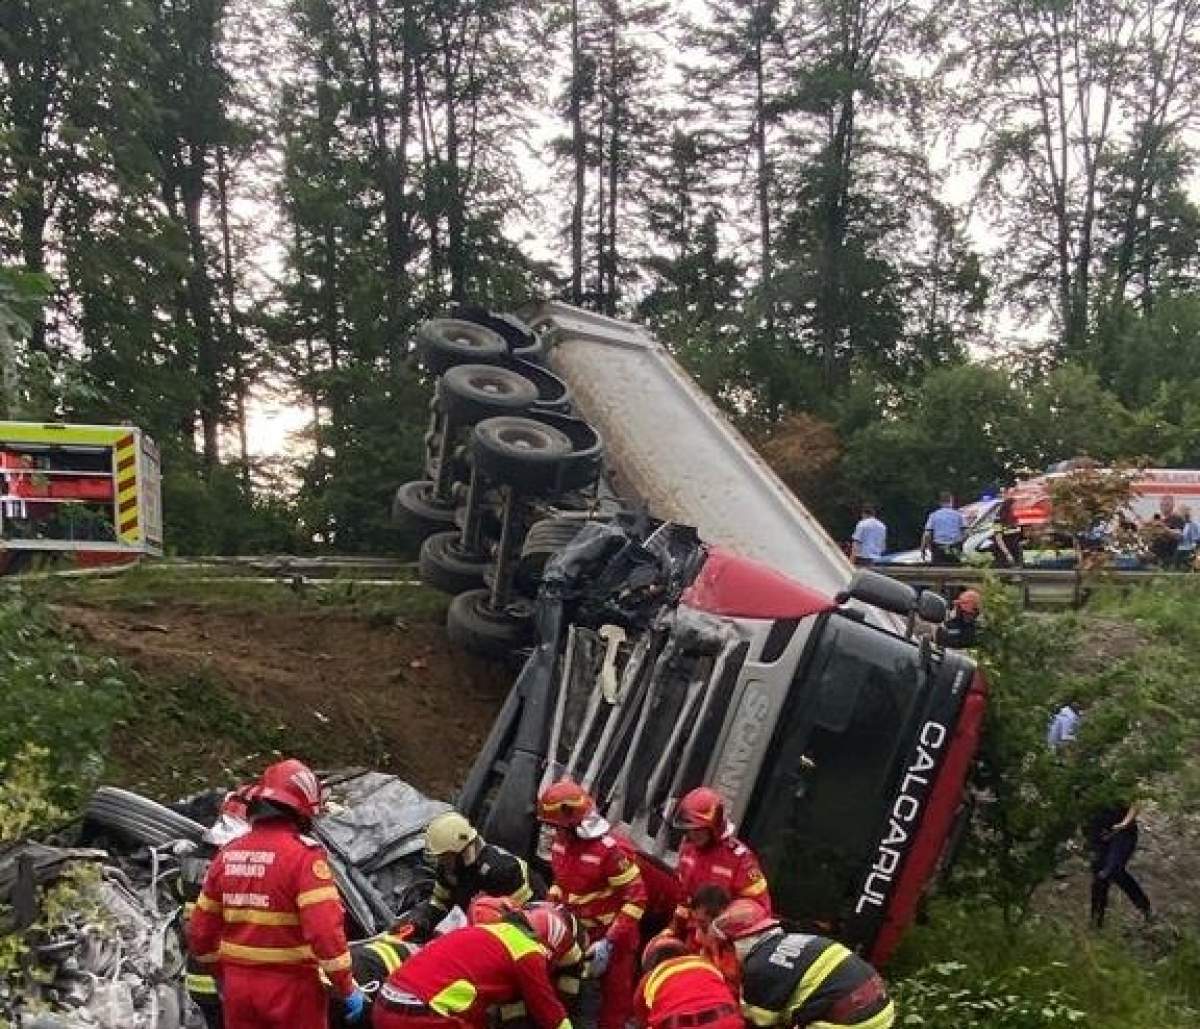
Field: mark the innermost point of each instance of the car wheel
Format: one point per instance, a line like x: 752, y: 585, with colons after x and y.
x: 473, y: 625
x: 138, y: 819
x: 445, y: 566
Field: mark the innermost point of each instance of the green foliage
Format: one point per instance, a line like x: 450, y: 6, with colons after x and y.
x: 965, y: 969
x: 1139, y: 714
x: 58, y: 697
x: 216, y: 514
x: 25, y: 790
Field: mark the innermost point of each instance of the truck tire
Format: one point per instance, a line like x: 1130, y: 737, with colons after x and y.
x: 446, y: 342
x: 445, y: 566
x: 474, y: 626
x: 138, y: 819
x: 472, y: 392
x: 545, y: 538
x: 520, y: 452
x: 415, y: 510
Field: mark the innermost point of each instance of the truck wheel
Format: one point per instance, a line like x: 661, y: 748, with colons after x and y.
x: 545, y: 538
x: 446, y: 342
x: 472, y: 624
x: 445, y: 566
x: 415, y: 510
x: 519, y: 452
x: 473, y: 392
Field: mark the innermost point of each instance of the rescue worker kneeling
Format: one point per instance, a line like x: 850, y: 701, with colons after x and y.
x: 467, y: 866
x: 797, y: 980
x: 566, y: 972
x: 269, y: 917
x: 372, y: 961
x: 454, y: 980
x: 680, y: 990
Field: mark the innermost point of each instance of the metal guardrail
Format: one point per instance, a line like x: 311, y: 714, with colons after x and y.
x: 1048, y: 586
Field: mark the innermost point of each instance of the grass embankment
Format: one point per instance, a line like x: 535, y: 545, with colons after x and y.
x: 967, y: 968
x: 88, y: 673
x: 1019, y: 954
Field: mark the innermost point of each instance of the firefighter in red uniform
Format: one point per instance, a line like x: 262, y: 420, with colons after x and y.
x: 452, y: 982
x: 680, y: 990
x: 603, y: 887
x: 269, y: 917
x: 712, y: 856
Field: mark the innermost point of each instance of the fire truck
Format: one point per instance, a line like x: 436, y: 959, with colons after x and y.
x: 684, y: 620
x: 90, y: 492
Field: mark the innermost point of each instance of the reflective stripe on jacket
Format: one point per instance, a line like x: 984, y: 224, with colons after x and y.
x: 795, y: 979
x: 269, y: 900
x: 681, y: 986
x: 467, y: 971
x: 601, y: 884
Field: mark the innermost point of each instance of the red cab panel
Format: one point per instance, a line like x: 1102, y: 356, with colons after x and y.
x: 737, y: 587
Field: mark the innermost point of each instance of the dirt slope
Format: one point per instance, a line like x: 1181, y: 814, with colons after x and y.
x: 225, y: 687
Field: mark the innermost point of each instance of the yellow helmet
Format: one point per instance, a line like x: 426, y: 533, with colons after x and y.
x: 449, y: 834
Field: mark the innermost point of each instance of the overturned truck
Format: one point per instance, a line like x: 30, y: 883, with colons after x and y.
x: 686, y: 621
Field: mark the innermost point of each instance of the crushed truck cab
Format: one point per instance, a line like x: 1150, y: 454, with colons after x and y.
x: 687, y: 622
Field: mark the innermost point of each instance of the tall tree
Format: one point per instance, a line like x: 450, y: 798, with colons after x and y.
x: 1078, y: 99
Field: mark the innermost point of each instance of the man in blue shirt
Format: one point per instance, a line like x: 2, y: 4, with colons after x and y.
x: 1064, y: 726
x: 870, y: 538
x: 1189, y: 542
x: 944, y: 531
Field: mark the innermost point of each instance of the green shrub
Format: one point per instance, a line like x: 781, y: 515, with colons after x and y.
x: 57, y: 697
x: 966, y: 969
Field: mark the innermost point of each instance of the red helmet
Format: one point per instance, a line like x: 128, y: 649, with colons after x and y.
x: 661, y: 948
x: 742, y: 918
x: 564, y: 803
x: 488, y: 910
x: 237, y: 802
x: 702, y: 808
x: 969, y: 601
x: 554, y: 928
x: 292, y: 784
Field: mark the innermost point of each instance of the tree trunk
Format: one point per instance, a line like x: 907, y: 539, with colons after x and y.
x: 578, y: 157
x: 235, y: 344
x: 763, y: 178
x: 614, y: 165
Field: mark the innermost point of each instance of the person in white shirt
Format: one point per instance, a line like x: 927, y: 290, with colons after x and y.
x: 869, y: 540
x: 1064, y: 726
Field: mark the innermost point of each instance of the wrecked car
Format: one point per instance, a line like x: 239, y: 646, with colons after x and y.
x: 107, y: 950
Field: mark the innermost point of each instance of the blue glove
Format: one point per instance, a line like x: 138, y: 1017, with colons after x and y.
x: 599, y: 954
x: 355, y: 1006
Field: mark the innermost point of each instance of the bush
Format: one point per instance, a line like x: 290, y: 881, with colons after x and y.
x: 58, y: 698
x: 966, y: 969
x: 1140, y: 711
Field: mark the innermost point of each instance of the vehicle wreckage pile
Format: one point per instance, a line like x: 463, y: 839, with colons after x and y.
x: 100, y: 905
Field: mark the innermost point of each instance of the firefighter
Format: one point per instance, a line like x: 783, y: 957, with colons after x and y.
x: 455, y: 980
x: 679, y: 990
x: 232, y: 822
x: 711, y: 855
x: 567, y: 971
x: 961, y: 629
x: 600, y: 884
x: 798, y: 980
x: 466, y: 865
x: 269, y: 916
x: 372, y: 961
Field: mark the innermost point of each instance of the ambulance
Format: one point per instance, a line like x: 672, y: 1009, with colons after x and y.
x: 91, y: 493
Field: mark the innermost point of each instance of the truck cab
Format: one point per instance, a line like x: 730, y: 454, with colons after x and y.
x: 692, y: 623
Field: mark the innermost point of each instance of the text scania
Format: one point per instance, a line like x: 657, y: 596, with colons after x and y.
x: 904, y: 815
